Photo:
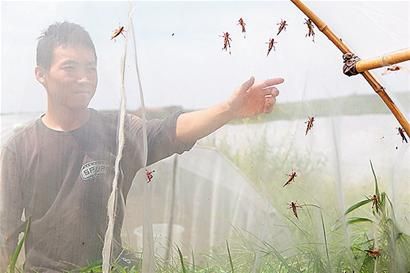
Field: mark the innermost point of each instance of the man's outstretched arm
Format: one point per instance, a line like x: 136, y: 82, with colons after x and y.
x: 248, y: 101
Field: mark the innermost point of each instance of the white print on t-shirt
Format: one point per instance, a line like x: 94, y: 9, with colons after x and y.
x: 93, y: 169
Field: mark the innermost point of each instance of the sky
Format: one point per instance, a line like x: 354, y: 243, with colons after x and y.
x: 190, y: 68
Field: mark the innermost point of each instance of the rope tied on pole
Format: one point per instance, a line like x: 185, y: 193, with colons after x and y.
x: 349, y: 67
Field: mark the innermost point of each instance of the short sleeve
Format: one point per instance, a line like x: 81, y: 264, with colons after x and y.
x: 161, y: 138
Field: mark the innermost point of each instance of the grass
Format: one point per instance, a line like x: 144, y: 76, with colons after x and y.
x: 13, y: 260
x: 313, y: 253
x: 375, y: 242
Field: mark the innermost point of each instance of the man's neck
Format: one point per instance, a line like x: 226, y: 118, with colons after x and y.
x: 65, y: 120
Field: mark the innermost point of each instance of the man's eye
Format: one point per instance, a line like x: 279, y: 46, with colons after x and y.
x: 68, y: 68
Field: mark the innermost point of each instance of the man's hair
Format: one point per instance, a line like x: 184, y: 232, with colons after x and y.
x: 61, y: 34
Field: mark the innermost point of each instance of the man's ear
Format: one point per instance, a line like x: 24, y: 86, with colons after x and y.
x: 40, y: 74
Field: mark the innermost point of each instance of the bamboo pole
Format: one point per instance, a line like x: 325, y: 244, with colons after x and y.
x: 385, y: 60
x: 322, y: 26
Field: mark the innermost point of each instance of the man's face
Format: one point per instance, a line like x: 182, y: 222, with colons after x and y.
x: 71, y: 80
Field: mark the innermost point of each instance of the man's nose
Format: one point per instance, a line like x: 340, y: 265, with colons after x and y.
x: 85, y: 75
x: 83, y: 78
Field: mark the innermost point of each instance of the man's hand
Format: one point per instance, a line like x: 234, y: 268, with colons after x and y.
x: 253, y: 99
x: 248, y: 101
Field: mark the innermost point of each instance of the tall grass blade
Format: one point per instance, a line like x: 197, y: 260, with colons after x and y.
x: 358, y: 205
x: 181, y: 258
x: 325, y: 238
x: 376, y: 186
x: 16, y: 253
x: 230, y: 257
x: 357, y: 220
x: 193, y: 261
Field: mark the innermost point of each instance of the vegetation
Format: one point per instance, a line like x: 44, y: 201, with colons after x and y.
x: 366, y: 238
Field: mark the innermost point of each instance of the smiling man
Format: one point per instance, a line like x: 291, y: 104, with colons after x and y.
x: 58, y: 170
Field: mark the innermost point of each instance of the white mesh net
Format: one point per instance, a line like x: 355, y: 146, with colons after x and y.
x: 262, y: 194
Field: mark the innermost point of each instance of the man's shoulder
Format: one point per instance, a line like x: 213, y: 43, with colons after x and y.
x: 19, y: 133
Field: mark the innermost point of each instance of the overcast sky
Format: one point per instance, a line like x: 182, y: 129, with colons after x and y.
x: 189, y: 68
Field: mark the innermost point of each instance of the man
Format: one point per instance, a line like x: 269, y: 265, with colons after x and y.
x: 59, y: 169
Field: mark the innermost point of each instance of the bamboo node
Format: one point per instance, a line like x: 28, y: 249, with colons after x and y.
x: 380, y: 89
x: 349, y: 67
x: 323, y: 27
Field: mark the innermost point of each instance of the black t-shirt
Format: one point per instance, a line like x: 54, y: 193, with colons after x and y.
x: 62, y: 181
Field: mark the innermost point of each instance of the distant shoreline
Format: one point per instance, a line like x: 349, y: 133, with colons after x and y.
x: 353, y: 105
